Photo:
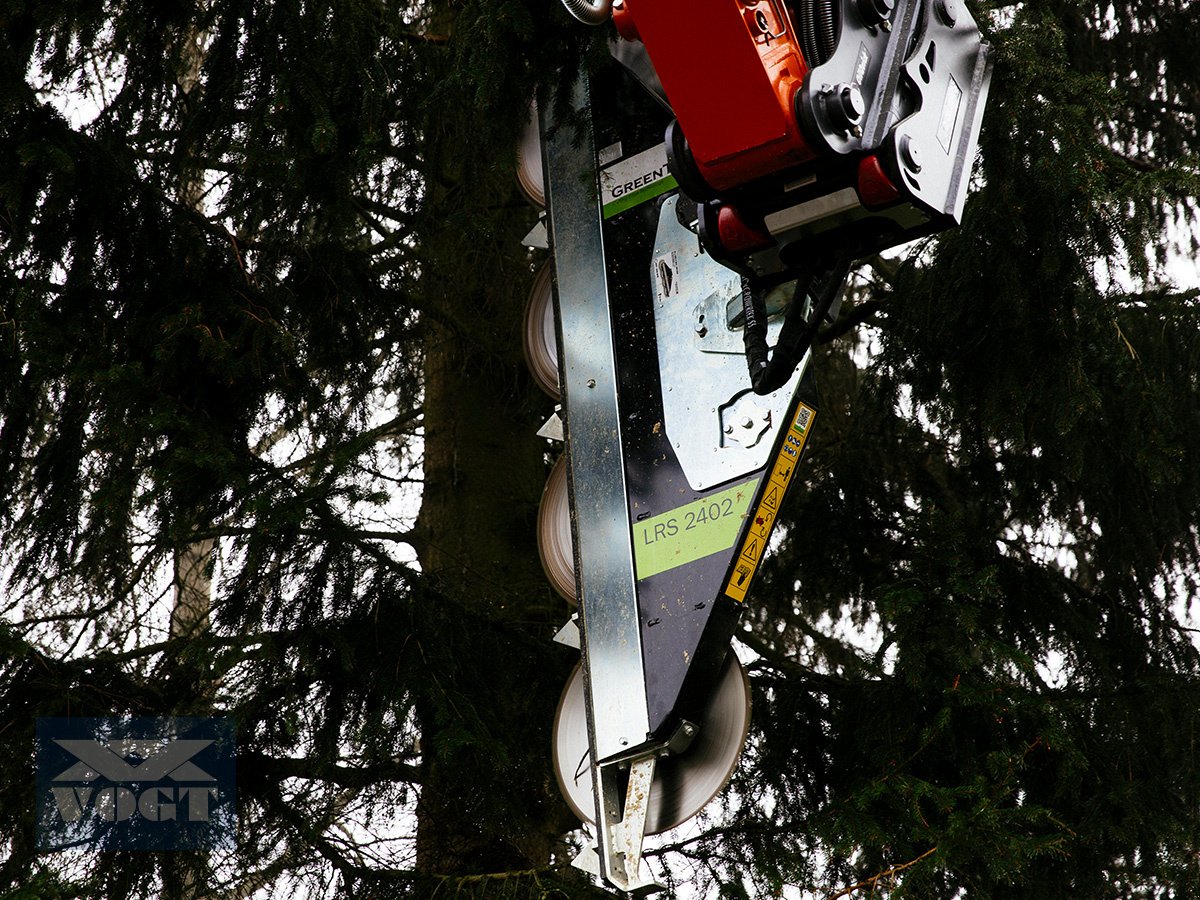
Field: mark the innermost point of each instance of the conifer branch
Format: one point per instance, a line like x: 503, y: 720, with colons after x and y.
x: 391, y: 428
x: 338, y: 528
x: 423, y: 37
x: 773, y: 657
x: 488, y: 877
x: 884, y: 268
x: 861, y: 314
x: 875, y: 879
x: 1133, y: 354
x: 1138, y: 162
x: 313, y: 769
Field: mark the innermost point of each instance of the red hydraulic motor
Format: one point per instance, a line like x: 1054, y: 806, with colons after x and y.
x: 810, y: 133
x: 802, y: 118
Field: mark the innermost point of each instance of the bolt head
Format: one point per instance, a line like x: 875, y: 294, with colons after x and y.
x: 847, y: 106
x: 910, y: 153
x: 876, y: 12
x: 947, y: 11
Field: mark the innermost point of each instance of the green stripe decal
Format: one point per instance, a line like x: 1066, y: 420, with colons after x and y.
x: 692, y: 531
x: 633, y: 180
x: 641, y: 195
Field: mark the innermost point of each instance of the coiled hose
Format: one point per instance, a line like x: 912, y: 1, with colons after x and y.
x: 590, y: 12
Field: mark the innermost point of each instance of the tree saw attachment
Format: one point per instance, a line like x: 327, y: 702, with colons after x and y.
x: 705, y: 200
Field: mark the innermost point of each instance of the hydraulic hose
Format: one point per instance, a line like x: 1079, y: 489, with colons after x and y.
x: 817, y: 24
x: 590, y: 12
x: 827, y: 28
x: 823, y: 284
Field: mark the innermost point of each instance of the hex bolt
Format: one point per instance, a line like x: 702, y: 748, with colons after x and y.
x: 729, y: 429
x: 689, y: 729
x: 747, y: 423
x: 591, y: 382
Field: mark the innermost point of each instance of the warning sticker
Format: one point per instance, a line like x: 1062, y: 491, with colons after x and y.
x: 763, y: 516
x: 634, y: 180
x: 691, y: 532
x: 666, y: 275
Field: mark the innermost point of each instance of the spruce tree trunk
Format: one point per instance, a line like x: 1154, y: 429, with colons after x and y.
x: 489, y: 802
x: 194, y: 561
x: 184, y: 873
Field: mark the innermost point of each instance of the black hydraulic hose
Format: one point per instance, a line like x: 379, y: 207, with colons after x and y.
x: 796, y: 336
x: 826, y: 28
x: 808, y: 35
x: 816, y: 24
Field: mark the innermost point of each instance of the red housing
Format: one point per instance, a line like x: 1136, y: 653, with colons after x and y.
x: 736, y: 103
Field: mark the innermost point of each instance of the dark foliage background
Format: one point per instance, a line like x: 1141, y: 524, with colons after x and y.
x: 268, y: 292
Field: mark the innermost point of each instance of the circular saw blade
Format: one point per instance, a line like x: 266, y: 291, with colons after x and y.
x: 683, y: 783
x: 539, y: 340
x: 554, y: 533
x: 529, y: 161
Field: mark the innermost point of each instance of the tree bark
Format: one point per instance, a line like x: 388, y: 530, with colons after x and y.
x: 184, y: 874
x: 484, y: 472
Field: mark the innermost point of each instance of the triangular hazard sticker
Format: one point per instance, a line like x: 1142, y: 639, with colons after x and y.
x: 751, y: 551
x: 772, y: 499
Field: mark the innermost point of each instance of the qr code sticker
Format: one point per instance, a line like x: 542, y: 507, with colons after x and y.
x: 803, y: 417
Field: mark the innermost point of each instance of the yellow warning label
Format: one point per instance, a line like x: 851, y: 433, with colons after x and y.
x: 762, y: 519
